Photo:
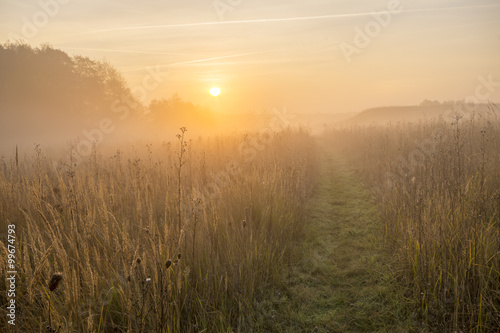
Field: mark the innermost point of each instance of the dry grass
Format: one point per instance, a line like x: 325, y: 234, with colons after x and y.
x: 182, y: 236
x: 438, y: 184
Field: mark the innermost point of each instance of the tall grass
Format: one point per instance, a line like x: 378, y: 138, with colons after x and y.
x: 157, y: 238
x: 438, y: 184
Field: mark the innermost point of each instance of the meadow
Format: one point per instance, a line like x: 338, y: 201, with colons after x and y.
x: 266, y: 231
x: 180, y: 236
x: 437, y: 184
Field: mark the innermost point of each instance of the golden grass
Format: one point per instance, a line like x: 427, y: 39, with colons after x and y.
x: 180, y: 236
x: 438, y: 184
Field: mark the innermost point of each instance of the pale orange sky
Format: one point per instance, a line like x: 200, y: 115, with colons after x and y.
x: 284, y: 53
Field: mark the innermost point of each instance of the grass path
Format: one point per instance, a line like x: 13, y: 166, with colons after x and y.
x: 343, y: 282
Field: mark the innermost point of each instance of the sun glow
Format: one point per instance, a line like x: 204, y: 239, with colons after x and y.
x: 215, y: 91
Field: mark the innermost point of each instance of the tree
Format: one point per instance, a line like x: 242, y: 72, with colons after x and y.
x: 44, y: 89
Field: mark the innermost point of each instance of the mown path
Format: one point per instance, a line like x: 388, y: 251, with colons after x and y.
x: 343, y: 282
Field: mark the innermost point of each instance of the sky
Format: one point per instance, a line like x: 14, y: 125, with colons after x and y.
x: 306, y: 55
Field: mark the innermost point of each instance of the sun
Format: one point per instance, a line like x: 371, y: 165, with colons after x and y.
x: 215, y: 91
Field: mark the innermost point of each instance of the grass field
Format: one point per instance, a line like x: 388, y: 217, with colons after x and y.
x: 363, y: 229
x: 183, y: 236
x: 343, y: 281
x: 230, y: 166
x: 438, y: 187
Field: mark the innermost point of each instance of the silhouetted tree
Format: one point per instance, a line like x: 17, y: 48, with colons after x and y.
x: 173, y: 113
x: 44, y: 89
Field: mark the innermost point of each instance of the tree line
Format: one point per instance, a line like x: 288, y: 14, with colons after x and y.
x: 43, y: 90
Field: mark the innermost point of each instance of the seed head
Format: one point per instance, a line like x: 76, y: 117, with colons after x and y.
x: 138, y: 260
x: 179, y: 256
x: 168, y: 263
x: 54, y: 281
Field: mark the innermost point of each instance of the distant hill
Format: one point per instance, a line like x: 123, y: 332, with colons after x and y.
x: 413, y: 114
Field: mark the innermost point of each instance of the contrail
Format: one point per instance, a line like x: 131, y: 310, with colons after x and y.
x: 327, y: 47
x: 123, y: 51
x: 204, y: 60
x: 218, y: 58
x: 287, y: 19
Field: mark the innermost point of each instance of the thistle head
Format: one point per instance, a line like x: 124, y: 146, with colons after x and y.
x: 54, y: 281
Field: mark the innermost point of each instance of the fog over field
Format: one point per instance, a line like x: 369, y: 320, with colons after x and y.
x: 314, y: 58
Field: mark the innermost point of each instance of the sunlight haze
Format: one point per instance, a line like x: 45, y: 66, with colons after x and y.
x: 250, y: 166
x: 266, y: 54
